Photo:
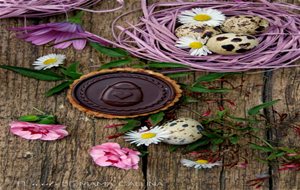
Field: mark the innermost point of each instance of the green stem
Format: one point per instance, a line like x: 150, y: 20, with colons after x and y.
x: 38, y: 110
x: 263, y: 140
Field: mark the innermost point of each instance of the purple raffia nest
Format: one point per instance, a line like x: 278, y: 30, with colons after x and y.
x: 153, y: 37
x: 43, y: 8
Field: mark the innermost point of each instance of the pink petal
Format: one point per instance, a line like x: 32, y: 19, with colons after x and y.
x: 63, y: 36
x: 121, y: 165
x: 20, y: 132
x: 63, y: 45
x: 50, y: 136
x: 79, y: 44
x: 32, y: 137
x: 62, y: 132
x: 43, y: 39
x: 95, y: 153
x: 102, y: 161
x: 41, y: 31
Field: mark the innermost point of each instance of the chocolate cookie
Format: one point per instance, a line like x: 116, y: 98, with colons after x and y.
x: 123, y: 93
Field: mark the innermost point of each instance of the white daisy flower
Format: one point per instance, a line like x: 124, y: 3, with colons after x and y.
x: 146, y: 137
x: 199, y: 164
x: 195, y: 44
x: 199, y: 16
x: 49, y: 61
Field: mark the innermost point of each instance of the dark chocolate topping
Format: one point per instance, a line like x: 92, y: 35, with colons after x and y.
x: 123, y: 93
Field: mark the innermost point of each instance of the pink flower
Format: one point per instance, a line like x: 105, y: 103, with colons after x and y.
x: 34, y: 131
x: 63, y: 34
x: 111, y: 154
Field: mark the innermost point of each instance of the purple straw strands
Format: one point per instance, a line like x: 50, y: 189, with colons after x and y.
x: 62, y: 34
x: 153, y: 36
x: 43, y: 8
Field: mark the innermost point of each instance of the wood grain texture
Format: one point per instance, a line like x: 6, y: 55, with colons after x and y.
x: 65, y: 164
x: 247, y: 94
x: 165, y: 165
x: 286, y: 87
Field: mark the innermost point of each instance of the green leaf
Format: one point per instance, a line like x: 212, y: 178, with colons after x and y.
x: 156, y: 118
x: 117, y: 63
x: 217, y: 141
x: 58, y: 88
x: 203, y: 89
x: 173, y: 148
x: 189, y: 99
x: 234, y: 139
x: 130, y: 125
x: 29, y: 118
x: 256, y: 109
x: 221, y: 114
x: 40, y: 75
x: 165, y: 65
x: 71, y: 74
x: 239, y: 118
x: 139, y: 66
x: 178, y: 75
x: 288, y: 150
x: 112, y: 52
x: 197, y: 144
x: 210, y: 77
x: 77, y: 18
x: 73, y: 67
x: 275, y: 155
x: 49, y: 119
x: 262, y: 148
x: 210, y: 135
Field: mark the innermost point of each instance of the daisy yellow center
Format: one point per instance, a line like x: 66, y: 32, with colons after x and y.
x: 148, y: 135
x: 196, y: 45
x: 202, y: 161
x: 202, y: 17
x: 50, y: 61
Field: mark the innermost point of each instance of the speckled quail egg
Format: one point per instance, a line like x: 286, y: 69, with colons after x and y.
x: 230, y: 44
x: 245, y: 24
x: 193, y: 30
x: 183, y: 131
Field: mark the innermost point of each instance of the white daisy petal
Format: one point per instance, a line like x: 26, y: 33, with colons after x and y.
x: 199, y: 16
x: 147, y: 136
x: 49, y: 61
x: 195, y: 44
x: 199, y: 164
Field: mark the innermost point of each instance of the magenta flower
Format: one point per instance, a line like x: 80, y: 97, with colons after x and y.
x: 35, y: 131
x: 62, y: 34
x: 111, y: 154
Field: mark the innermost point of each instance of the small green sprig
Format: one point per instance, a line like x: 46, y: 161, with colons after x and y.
x: 65, y: 74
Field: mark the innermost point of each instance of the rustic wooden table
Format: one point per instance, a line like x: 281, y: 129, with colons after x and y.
x: 66, y: 164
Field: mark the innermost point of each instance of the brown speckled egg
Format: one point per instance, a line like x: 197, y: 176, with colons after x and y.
x: 245, y: 24
x: 193, y: 30
x: 183, y: 131
x: 230, y: 44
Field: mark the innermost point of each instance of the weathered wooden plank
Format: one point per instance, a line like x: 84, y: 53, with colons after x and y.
x: 164, y: 166
x: 284, y: 84
x: 247, y: 94
x: 286, y: 87
x: 63, y: 164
